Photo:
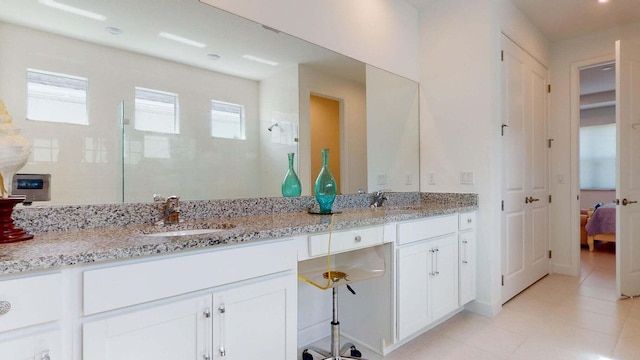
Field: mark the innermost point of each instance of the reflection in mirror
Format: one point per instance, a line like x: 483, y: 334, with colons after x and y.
x: 167, y: 117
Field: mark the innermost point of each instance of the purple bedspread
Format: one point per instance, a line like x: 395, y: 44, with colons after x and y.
x: 603, y: 220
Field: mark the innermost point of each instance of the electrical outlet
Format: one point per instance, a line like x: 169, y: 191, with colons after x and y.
x: 409, y: 179
x: 467, y: 177
x: 382, y: 179
x: 432, y: 178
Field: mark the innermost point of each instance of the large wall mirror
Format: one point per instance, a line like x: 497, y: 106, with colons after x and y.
x: 126, y: 99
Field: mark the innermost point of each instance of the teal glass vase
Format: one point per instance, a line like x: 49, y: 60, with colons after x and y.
x: 325, y: 187
x: 291, y: 184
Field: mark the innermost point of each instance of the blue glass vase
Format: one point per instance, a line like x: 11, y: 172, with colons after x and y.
x: 325, y: 187
x: 291, y: 184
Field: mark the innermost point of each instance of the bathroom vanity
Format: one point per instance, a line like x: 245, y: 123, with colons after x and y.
x: 233, y: 294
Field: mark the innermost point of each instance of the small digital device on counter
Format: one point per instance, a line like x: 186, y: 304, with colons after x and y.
x: 36, y: 187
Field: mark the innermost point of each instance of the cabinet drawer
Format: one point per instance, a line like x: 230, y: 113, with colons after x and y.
x: 346, y: 240
x: 32, y: 300
x: 411, y: 231
x: 138, y: 282
x: 467, y: 221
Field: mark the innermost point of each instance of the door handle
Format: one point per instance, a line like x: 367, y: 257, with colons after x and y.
x: 530, y: 199
x: 626, y: 202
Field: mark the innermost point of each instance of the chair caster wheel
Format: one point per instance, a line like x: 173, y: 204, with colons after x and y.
x: 306, y: 355
x: 355, y: 352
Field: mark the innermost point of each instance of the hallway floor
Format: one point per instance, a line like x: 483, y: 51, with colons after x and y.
x: 560, y: 317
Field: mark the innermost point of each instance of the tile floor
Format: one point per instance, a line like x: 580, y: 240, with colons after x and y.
x: 560, y: 317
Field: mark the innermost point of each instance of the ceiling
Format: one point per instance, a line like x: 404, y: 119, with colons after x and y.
x: 228, y: 36
x: 563, y: 19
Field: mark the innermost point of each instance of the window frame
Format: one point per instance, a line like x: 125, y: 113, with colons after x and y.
x: 141, y: 125
x: 242, y: 120
x: 58, y: 117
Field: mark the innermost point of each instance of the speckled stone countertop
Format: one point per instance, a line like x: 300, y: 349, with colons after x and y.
x: 57, y: 249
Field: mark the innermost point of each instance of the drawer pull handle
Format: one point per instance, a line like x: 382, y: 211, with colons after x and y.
x: 358, y: 238
x: 5, y: 306
x: 469, y: 221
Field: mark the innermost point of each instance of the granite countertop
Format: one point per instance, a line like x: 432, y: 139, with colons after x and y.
x: 57, y: 249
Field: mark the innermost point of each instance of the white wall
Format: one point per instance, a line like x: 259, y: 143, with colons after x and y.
x: 460, y: 113
x: 86, y: 166
x: 383, y: 33
x: 566, y: 55
x: 352, y: 95
x: 392, y: 119
x: 279, y: 103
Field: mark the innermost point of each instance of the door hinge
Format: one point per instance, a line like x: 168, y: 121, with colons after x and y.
x: 550, y: 254
x: 549, y: 199
x: 549, y: 141
x: 502, y: 205
x: 502, y: 276
x: 501, y: 55
x: 549, y: 88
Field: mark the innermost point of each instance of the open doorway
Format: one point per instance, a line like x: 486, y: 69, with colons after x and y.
x: 597, y: 162
x: 325, y: 134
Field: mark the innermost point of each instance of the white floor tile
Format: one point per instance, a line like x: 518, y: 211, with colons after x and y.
x: 558, y: 318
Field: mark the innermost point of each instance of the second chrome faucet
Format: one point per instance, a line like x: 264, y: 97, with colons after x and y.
x: 170, y: 208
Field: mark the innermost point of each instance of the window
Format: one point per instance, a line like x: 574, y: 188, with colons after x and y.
x: 598, y: 157
x: 56, y: 97
x: 227, y: 120
x: 156, y: 111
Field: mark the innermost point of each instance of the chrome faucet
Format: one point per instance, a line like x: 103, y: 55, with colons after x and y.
x: 378, y: 198
x: 170, y: 208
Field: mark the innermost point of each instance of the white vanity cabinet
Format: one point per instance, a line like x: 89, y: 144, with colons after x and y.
x: 230, y: 304
x: 252, y: 321
x: 427, y: 272
x: 468, y: 263
x: 41, y: 346
x: 177, y: 330
x: 30, y: 310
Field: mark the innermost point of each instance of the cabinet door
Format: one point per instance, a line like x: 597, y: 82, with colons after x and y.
x: 252, y: 321
x: 414, y: 268
x: 43, y: 346
x: 467, y: 266
x: 178, y: 330
x: 444, y: 284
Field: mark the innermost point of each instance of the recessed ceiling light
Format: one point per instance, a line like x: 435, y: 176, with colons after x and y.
x: 213, y: 56
x: 603, y: 1
x: 73, y: 10
x: 260, y: 60
x: 181, y: 39
x: 113, y: 30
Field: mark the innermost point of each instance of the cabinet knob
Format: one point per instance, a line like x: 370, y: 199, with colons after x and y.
x: 469, y: 221
x: 358, y: 238
x: 5, y: 306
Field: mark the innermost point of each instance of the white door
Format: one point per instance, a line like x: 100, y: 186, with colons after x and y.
x: 628, y: 167
x: 30, y: 347
x: 252, y: 321
x: 467, y: 246
x: 414, y: 269
x: 179, y: 330
x: 444, y: 285
x: 525, y: 192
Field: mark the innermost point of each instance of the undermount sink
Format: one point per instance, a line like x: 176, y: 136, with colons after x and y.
x: 186, y: 229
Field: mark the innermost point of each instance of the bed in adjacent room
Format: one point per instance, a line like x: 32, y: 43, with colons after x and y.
x: 601, y: 224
